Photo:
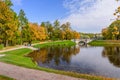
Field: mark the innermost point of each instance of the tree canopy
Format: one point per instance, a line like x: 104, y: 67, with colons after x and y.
x: 113, y: 31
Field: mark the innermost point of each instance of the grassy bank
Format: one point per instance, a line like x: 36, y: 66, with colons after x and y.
x: 5, y: 78
x: 17, y: 57
x: 57, y: 43
x: 105, y: 43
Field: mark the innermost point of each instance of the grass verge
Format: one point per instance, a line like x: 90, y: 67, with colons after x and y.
x: 5, y: 78
x: 1, y: 46
x: 16, y: 57
x: 105, y: 43
x: 56, y: 43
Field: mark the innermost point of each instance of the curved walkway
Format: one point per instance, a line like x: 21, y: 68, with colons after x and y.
x: 20, y: 73
x: 30, y: 47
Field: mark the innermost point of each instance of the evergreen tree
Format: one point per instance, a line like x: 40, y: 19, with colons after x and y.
x: 24, y: 27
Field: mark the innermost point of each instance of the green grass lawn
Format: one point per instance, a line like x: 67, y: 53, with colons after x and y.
x: 105, y: 43
x: 5, y: 78
x: 17, y: 57
x: 56, y: 43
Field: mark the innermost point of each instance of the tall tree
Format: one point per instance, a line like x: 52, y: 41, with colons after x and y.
x: 8, y: 23
x: 48, y: 28
x: 56, y: 24
x: 43, y: 24
x: 68, y: 31
x: 24, y: 27
x: 56, y: 32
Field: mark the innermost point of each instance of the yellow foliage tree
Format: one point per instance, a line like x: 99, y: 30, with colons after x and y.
x: 37, y: 32
x: 8, y: 23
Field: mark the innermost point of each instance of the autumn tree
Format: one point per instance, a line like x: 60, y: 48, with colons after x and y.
x: 8, y: 23
x: 37, y: 32
x: 113, y: 31
x: 68, y: 31
x: 76, y: 35
x: 105, y: 33
x: 42, y: 33
x: 34, y: 31
x: 62, y: 34
x: 114, y: 28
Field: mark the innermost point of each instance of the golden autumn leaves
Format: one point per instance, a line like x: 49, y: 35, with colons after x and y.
x: 37, y: 32
x: 8, y: 23
x: 113, y: 31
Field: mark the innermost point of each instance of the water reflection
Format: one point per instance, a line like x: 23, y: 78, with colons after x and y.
x: 54, y: 54
x: 102, y: 61
x: 113, y: 54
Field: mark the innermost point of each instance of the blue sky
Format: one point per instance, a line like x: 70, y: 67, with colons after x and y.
x: 41, y: 10
x: 84, y: 15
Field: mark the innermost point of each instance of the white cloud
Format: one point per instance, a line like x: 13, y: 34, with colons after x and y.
x: 90, y: 15
x: 17, y: 2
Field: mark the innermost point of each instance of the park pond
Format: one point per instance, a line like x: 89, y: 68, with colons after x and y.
x: 101, y: 61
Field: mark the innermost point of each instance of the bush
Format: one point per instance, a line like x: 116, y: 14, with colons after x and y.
x: 1, y: 46
x: 35, y: 41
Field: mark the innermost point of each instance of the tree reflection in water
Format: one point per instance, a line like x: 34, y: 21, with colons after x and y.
x: 113, y: 54
x: 54, y: 54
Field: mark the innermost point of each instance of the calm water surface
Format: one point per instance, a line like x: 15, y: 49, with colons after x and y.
x: 102, y: 61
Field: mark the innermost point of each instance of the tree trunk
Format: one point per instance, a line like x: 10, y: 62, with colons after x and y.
x: 6, y: 42
x: 117, y: 38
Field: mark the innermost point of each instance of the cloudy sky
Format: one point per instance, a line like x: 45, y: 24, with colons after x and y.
x: 84, y: 15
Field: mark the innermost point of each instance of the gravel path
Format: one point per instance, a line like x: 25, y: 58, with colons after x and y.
x: 20, y: 73
x: 11, y: 49
x: 30, y: 47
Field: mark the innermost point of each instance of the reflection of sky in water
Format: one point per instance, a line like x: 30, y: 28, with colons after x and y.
x: 91, y: 59
x: 88, y: 60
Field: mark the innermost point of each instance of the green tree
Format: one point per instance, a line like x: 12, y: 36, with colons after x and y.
x: 49, y: 29
x: 24, y: 27
x: 56, y: 24
x: 56, y: 32
x: 43, y: 24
